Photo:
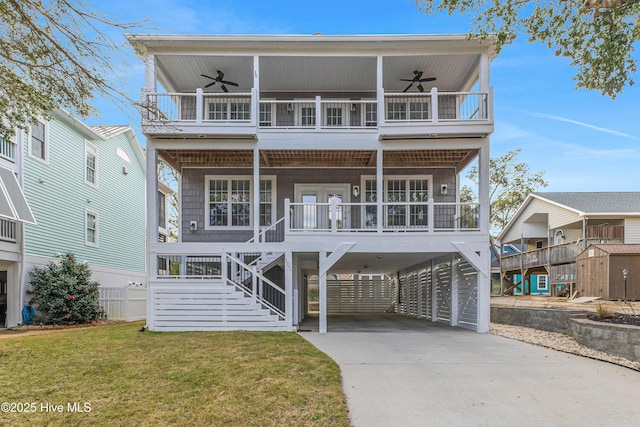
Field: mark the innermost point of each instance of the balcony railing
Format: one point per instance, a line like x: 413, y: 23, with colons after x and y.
x: 316, y: 113
x: 7, y: 230
x: 7, y: 150
x: 396, y: 217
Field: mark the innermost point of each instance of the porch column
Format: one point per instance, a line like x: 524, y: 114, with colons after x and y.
x: 150, y: 74
x: 380, y: 92
x: 484, y: 294
x: 152, y: 223
x: 484, y: 189
x: 454, y: 291
x: 379, y: 190
x: 484, y: 87
x: 322, y: 321
x: 288, y: 289
x: 256, y: 195
x: 255, y: 92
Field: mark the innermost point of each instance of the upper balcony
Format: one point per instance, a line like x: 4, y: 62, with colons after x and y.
x: 244, y: 114
x: 392, y: 87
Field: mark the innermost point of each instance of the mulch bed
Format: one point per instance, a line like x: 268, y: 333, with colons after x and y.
x: 618, y: 318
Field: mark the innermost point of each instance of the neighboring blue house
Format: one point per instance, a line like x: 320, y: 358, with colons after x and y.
x: 86, y: 189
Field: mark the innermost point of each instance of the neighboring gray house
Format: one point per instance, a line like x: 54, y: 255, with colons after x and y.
x: 557, y: 226
x: 86, y: 189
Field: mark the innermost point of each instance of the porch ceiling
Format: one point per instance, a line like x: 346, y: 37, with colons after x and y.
x: 182, y: 73
x: 315, y: 158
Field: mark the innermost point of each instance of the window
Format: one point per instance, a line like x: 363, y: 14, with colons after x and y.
x: 90, y: 164
x: 230, y: 201
x: 418, y: 110
x: 308, y: 116
x: 266, y: 114
x: 539, y: 244
x: 396, y: 111
x: 371, y: 115
x: 405, y: 200
x: 240, y: 111
x: 162, y: 210
x: 333, y: 116
x: 91, y: 228
x: 7, y: 149
x: 217, y: 111
x: 543, y: 283
x: 38, y: 141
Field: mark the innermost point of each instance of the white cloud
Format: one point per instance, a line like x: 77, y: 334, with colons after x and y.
x: 586, y: 125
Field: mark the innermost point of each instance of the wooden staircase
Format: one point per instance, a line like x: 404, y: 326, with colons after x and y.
x: 208, y: 305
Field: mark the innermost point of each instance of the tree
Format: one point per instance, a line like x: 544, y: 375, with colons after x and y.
x: 169, y: 177
x: 597, y: 36
x: 509, y: 185
x: 55, y: 53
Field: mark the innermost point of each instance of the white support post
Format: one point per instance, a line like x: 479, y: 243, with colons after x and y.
x: 379, y: 190
x: 322, y: 321
x: 484, y: 189
x: 255, y: 206
x: 434, y: 105
x: 380, y: 91
x: 319, y: 115
x: 255, y: 92
x: 223, y: 268
x: 150, y: 74
x: 430, y: 214
x: 485, y: 108
x: 254, y: 282
x: 434, y: 294
x: 288, y: 289
x: 152, y: 225
x: 199, y: 105
x: 454, y: 292
x: 484, y: 294
x: 287, y: 216
x: 333, y: 214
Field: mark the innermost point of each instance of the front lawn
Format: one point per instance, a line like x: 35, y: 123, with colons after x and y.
x: 119, y: 377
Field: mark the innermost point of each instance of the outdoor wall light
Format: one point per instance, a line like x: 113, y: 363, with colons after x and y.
x: 290, y: 107
x: 444, y: 190
x: 41, y: 181
x: 125, y: 171
x: 193, y: 226
x: 356, y: 190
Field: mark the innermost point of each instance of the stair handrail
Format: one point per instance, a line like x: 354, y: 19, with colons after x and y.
x: 257, y: 295
x: 264, y: 231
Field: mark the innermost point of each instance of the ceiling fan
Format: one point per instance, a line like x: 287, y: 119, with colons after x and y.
x: 417, y: 78
x: 219, y: 79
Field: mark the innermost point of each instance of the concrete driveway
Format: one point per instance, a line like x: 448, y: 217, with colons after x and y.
x: 425, y: 374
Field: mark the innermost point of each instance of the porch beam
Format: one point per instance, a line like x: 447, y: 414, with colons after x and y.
x: 335, y: 256
x: 476, y: 260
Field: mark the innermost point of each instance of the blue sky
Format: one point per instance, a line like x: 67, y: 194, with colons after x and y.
x: 583, y: 140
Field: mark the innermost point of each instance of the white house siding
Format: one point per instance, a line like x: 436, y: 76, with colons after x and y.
x: 557, y: 218
x: 60, y: 201
x: 632, y: 230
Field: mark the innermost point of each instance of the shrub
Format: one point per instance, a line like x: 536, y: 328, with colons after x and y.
x: 64, y: 294
x: 603, y: 311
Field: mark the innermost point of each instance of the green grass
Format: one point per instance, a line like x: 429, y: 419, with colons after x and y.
x: 186, y: 378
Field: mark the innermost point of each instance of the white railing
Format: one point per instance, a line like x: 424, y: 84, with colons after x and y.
x: 124, y: 303
x: 7, y: 230
x: 316, y: 113
x: 198, y: 107
x: 272, y: 233
x: 436, y: 106
x: 338, y: 217
x: 7, y: 149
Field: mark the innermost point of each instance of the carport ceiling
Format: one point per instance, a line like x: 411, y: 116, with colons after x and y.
x: 380, y: 263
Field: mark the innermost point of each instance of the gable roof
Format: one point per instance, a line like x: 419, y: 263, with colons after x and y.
x: 595, y: 202
x: 583, y: 203
x: 110, y: 131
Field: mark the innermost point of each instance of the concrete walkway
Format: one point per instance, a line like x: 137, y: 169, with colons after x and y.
x: 426, y: 374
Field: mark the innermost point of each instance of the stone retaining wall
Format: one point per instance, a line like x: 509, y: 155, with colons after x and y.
x: 619, y: 340
x: 547, y: 319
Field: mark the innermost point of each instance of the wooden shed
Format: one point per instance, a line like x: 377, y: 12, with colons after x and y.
x: 600, y: 272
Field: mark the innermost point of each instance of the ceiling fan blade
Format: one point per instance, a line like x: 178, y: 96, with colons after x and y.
x: 224, y: 88
x: 210, y: 84
x: 418, y: 75
x: 408, y: 87
x: 209, y: 77
x: 220, y: 75
x: 406, y: 80
x: 229, y: 83
x: 428, y: 79
x: 420, y: 88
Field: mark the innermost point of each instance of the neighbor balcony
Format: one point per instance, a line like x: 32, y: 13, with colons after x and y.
x: 391, y: 114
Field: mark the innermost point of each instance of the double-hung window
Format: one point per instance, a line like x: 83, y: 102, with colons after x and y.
x: 91, y: 228
x: 230, y: 201
x: 90, y: 164
x: 38, y: 141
